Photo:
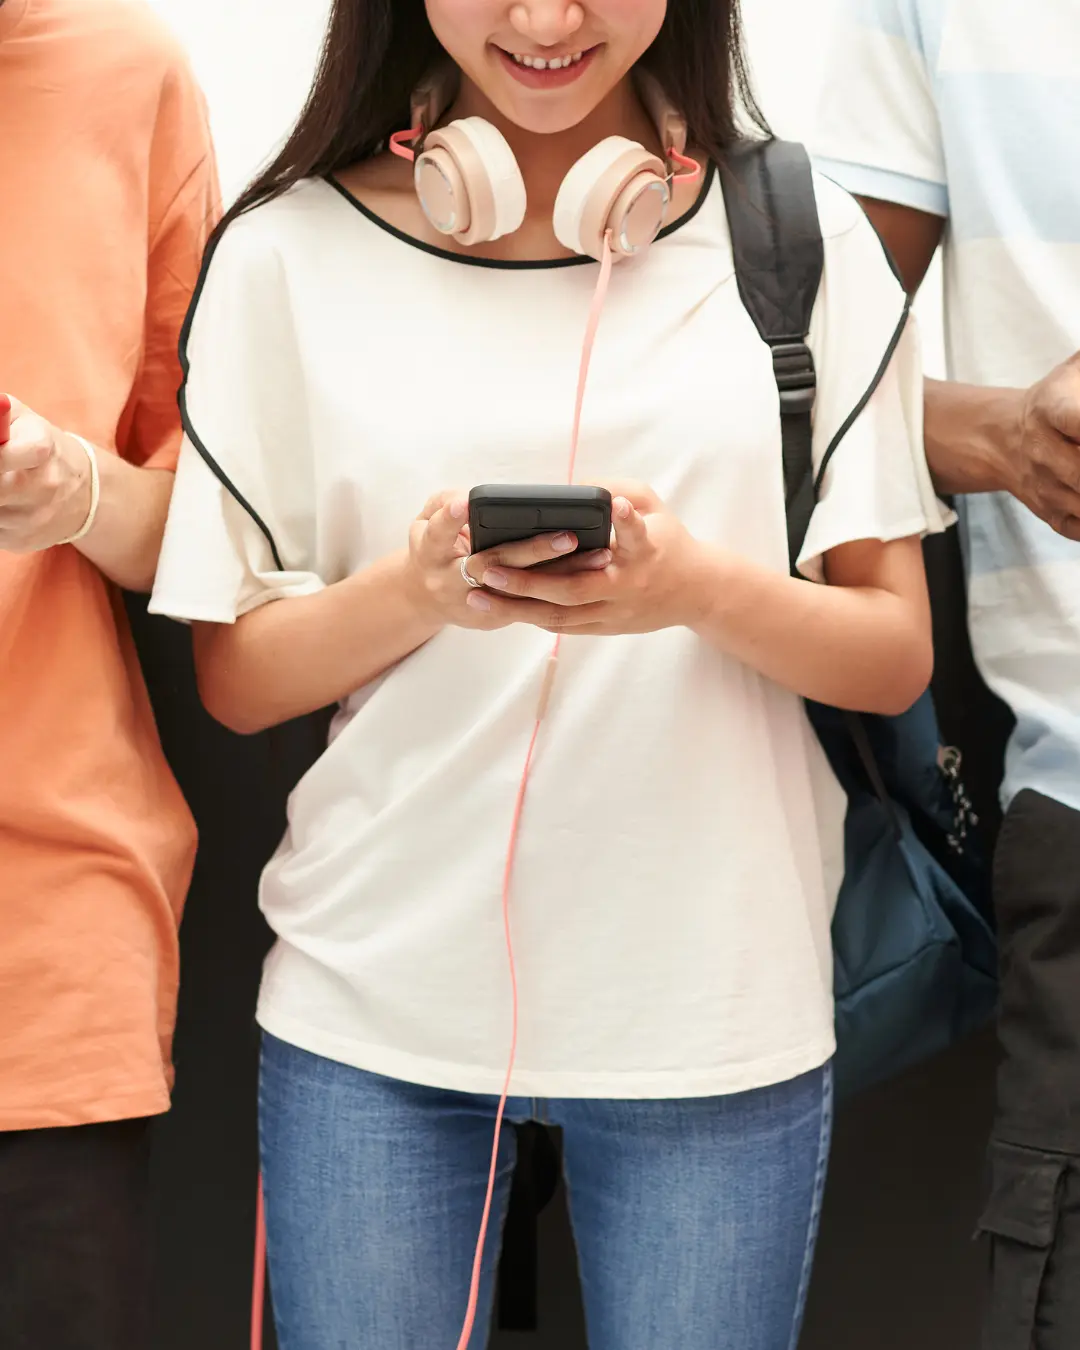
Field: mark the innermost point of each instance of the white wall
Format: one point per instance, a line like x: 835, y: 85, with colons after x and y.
x: 255, y: 59
x: 787, y: 41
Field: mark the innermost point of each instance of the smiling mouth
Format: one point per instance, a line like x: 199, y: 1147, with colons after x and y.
x: 539, y: 63
x: 547, y: 72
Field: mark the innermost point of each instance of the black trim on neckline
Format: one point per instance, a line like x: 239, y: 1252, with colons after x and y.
x: 508, y: 264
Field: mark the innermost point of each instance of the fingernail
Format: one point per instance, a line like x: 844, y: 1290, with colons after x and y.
x: 496, y: 580
x: 600, y: 560
x: 623, y: 508
x: 478, y: 601
x: 563, y: 543
x: 458, y: 510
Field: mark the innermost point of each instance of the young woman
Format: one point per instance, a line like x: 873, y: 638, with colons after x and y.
x: 670, y: 897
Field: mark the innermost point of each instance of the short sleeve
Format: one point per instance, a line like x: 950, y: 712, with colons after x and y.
x: 241, y: 526
x: 878, y: 132
x: 184, y: 207
x: 876, y: 483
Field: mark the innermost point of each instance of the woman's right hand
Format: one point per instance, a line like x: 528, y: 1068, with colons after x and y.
x: 439, y: 541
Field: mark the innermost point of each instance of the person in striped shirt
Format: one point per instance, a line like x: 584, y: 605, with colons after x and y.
x: 957, y: 122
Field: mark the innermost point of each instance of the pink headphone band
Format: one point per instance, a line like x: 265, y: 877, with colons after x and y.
x: 401, y: 143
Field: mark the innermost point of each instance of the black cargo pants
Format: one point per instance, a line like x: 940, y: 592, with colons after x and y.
x: 1032, y: 1218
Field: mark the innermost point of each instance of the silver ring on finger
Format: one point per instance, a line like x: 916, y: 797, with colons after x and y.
x: 468, y: 577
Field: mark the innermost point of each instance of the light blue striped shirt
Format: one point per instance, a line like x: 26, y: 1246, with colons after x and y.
x: 970, y: 109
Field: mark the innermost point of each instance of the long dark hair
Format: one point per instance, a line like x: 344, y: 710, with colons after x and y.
x: 377, y: 51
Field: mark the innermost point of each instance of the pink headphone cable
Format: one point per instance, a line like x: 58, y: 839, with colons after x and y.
x: 515, y: 829
x: 258, y: 1284
x: 259, y: 1281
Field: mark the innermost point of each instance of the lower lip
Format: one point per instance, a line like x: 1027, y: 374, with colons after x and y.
x: 548, y: 79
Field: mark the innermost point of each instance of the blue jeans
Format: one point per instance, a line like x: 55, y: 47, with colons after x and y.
x: 695, y: 1220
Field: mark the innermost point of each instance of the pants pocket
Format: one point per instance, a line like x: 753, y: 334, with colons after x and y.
x: 1020, y: 1221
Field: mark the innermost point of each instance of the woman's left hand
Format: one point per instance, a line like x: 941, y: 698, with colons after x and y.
x: 649, y: 583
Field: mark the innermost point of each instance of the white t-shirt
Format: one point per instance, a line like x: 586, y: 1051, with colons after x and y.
x: 678, y: 859
x: 970, y: 109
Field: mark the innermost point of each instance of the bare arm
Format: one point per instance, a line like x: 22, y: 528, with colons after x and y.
x: 125, y: 540
x: 294, y: 656
x: 1022, y: 441
x: 973, y: 436
x: 45, y: 498
x: 863, y: 642
x: 912, y: 237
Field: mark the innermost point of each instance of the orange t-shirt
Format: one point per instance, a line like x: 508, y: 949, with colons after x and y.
x: 108, y: 190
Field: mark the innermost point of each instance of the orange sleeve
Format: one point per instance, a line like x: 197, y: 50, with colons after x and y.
x: 185, y: 205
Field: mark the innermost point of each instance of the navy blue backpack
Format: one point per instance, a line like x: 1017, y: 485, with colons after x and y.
x: 915, y: 954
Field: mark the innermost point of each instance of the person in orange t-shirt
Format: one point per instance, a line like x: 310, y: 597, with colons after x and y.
x: 108, y: 192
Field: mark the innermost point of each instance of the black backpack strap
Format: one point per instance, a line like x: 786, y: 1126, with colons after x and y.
x: 779, y: 262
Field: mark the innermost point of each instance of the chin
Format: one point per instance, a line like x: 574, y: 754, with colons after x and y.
x: 550, y: 119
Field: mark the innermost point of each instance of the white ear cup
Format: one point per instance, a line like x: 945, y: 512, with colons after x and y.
x: 577, y: 186
x: 613, y: 182
x: 469, y: 183
x: 507, y: 184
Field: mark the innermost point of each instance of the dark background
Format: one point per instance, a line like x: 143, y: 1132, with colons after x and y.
x: 897, y: 1267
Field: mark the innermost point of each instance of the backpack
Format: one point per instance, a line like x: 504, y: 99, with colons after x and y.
x: 915, y: 953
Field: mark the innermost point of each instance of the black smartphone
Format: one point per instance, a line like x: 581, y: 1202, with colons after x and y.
x: 508, y: 513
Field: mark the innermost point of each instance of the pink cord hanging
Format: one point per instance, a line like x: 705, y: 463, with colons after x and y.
x: 591, y: 328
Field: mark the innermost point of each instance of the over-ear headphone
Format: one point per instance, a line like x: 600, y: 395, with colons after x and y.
x: 470, y: 186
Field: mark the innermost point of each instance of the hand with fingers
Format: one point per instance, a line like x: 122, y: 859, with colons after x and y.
x: 1046, y: 472
x: 645, y: 582
x: 45, y: 481
x: 446, y: 577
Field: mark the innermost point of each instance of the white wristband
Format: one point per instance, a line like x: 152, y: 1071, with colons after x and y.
x: 95, y: 492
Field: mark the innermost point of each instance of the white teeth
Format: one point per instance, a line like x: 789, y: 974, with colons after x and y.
x: 557, y: 63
